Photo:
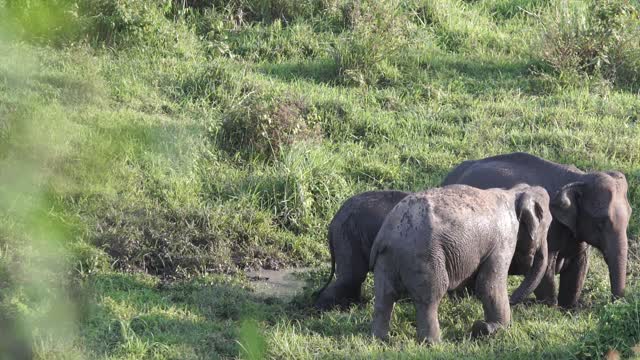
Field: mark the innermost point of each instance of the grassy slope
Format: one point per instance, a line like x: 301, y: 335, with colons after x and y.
x: 112, y: 162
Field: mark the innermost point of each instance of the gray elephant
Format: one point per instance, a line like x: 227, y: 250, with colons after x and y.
x: 351, y: 234
x: 588, y: 208
x: 440, y: 239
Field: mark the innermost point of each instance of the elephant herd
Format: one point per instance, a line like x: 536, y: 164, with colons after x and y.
x: 512, y: 214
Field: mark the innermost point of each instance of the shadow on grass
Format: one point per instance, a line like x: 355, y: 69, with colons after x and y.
x: 477, y: 76
x: 323, y: 71
x: 482, y: 76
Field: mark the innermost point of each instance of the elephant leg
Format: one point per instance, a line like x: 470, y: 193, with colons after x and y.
x: 348, y: 290
x: 359, y: 271
x: 491, y: 287
x: 385, y: 298
x: 428, y: 286
x: 572, y: 280
x: 428, y: 328
x: 546, y: 290
x: 351, y: 271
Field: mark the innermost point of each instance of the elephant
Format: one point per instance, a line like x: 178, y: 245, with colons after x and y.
x: 588, y: 209
x: 351, y: 234
x: 440, y: 239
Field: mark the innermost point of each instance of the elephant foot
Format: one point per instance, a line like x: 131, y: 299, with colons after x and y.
x: 551, y: 302
x: 428, y: 341
x: 530, y: 302
x: 482, y: 328
x: 324, y: 303
x: 383, y: 337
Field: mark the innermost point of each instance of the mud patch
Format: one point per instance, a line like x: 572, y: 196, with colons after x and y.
x: 283, y: 284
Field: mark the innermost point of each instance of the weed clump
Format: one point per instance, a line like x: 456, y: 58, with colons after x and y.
x: 263, y: 127
x: 365, y: 55
x: 603, y: 42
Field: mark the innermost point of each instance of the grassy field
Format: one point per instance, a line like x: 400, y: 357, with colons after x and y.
x: 150, y: 151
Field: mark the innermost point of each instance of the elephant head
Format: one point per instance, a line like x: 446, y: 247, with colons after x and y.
x: 596, y: 210
x: 532, y: 208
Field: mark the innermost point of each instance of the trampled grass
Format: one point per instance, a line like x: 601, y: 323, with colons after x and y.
x: 151, y: 151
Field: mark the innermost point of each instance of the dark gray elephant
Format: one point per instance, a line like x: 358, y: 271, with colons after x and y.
x: 351, y: 234
x: 439, y: 240
x: 588, y: 208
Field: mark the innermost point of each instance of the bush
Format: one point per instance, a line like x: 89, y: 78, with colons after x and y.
x: 263, y: 127
x: 604, y: 41
x: 366, y: 54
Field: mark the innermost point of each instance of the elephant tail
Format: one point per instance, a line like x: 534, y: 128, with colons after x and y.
x: 333, y: 264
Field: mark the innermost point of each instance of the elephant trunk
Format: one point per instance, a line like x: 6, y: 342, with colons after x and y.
x: 533, y: 276
x: 616, y: 257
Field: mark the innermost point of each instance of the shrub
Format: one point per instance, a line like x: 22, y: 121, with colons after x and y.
x: 366, y: 54
x: 604, y: 41
x: 263, y: 127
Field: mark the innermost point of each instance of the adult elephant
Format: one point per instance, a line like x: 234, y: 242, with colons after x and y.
x: 588, y: 208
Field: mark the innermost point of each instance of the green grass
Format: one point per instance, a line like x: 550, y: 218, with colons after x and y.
x: 149, y: 153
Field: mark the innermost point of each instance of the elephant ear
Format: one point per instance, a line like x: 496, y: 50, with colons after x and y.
x: 530, y: 213
x: 564, y: 205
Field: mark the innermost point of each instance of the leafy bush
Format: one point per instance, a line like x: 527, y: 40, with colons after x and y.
x: 618, y: 329
x: 604, y: 41
x: 365, y: 55
x: 263, y: 126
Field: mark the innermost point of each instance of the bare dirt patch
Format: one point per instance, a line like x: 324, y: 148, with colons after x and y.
x: 284, y: 283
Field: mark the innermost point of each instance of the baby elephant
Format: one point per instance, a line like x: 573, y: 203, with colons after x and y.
x: 440, y: 239
x: 351, y: 235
